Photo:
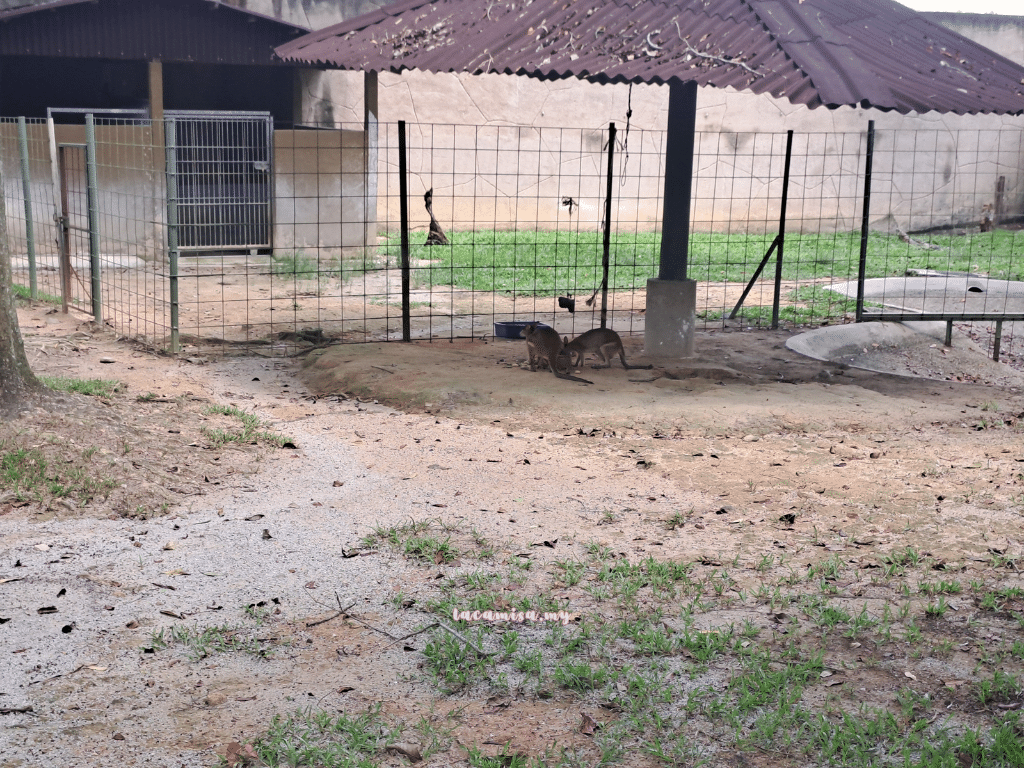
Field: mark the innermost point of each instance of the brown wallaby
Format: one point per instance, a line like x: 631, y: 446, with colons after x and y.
x: 603, y: 342
x: 544, y: 345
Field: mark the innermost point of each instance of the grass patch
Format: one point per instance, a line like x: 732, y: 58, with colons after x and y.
x: 93, y: 387
x: 201, y: 643
x: 326, y: 739
x: 682, y: 689
x: 419, y: 540
x: 250, y: 433
x: 546, y: 263
x: 31, y: 477
x: 783, y: 681
x: 25, y: 293
x: 298, y: 265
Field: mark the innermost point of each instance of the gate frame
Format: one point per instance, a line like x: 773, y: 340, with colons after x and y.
x: 267, y: 119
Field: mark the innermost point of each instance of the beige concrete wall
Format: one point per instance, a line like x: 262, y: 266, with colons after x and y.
x: 1003, y: 34
x: 930, y: 170
x: 319, y: 192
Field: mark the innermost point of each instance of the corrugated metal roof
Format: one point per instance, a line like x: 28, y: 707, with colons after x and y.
x: 871, y: 53
x: 198, y: 31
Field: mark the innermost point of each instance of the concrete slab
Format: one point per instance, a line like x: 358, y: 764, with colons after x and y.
x: 955, y: 293
x: 913, y: 349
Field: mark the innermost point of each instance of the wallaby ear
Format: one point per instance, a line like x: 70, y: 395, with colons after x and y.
x: 565, y: 339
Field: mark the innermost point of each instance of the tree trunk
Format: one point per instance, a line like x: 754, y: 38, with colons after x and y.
x: 19, y: 388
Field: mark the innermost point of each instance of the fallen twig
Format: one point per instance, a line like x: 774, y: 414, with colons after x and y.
x: 56, y: 677
x: 411, y: 634
x: 464, y: 639
x: 341, y: 612
x: 915, y: 242
x: 720, y: 59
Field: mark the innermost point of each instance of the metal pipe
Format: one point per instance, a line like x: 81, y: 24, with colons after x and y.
x: 606, y: 258
x: 59, y: 206
x: 675, y: 225
x: 403, y: 207
x: 171, y: 162
x: 92, y: 196
x: 64, y: 234
x: 26, y: 187
x: 865, y: 218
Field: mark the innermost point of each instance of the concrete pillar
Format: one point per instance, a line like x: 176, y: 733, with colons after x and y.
x: 370, y: 150
x: 671, y: 317
x: 672, y: 297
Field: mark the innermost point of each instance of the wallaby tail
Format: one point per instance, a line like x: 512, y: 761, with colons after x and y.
x: 570, y: 377
x: 627, y: 366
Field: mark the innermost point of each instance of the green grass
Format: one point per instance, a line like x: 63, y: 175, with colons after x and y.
x: 299, y: 265
x: 199, y: 643
x: 94, y: 387
x: 547, y: 263
x: 681, y: 685
x: 25, y: 293
x: 326, y: 740
x: 31, y: 477
x: 249, y: 433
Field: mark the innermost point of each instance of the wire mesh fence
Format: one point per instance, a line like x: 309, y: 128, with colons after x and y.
x: 28, y: 192
x: 217, y: 231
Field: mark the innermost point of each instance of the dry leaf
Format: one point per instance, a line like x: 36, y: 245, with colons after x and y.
x: 410, y: 751
x: 589, y: 725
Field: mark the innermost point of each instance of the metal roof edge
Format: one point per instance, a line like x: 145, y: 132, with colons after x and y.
x: 292, y: 48
x: 261, y: 16
x: 48, y: 6
x: 55, y: 4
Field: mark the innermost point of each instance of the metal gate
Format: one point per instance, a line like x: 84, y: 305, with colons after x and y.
x: 73, y: 230
x: 224, y: 189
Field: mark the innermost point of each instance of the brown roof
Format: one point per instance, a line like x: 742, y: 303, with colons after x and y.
x: 872, y: 53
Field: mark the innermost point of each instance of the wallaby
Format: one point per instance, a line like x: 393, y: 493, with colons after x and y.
x: 603, y: 342
x: 544, y: 345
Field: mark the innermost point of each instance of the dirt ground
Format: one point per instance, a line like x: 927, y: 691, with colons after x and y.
x: 746, y: 452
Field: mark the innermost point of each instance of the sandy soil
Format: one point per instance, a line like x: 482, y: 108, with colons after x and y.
x: 748, y: 450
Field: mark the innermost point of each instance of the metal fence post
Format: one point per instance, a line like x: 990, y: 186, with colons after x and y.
x: 606, y: 258
x: 60, y: 215
x: 776, y: 246
x: 777, y: 297
x: 26, y: 186
x: 94, y: 218
x: 862, y: 268
x: 171, y: 158
x: 403, y: 207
